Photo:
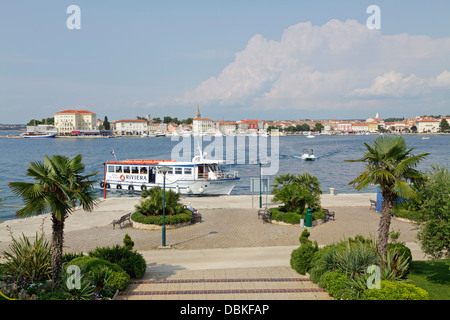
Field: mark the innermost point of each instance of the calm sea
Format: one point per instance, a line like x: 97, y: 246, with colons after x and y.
x: 329, y: 166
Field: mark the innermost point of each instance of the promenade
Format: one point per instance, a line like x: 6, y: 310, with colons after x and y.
x: 230, y: 255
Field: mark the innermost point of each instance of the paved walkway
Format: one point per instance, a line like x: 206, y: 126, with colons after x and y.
x: 230, y: 255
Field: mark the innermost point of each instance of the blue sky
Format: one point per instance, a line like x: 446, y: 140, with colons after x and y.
x: 235, y: 59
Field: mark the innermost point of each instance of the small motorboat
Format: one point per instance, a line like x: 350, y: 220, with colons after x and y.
x: 425, y: 138
x: 308, y: 155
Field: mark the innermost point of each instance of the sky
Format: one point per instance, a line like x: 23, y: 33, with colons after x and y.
x: 247, y: 59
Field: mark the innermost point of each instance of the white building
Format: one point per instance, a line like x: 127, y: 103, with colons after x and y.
x: 130, y: 127
x: 227, y: 128
x: 202, y: 125
x: 360, y: 127
x: 427, y: 125
x: 74, y: 120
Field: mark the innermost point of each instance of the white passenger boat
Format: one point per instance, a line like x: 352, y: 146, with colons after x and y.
x: 199, y: 177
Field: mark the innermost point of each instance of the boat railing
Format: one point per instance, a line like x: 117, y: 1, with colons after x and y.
x: 218, y: 175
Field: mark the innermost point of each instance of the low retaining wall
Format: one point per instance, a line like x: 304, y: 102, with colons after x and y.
x: 281, y: 223
x: 143, y: 226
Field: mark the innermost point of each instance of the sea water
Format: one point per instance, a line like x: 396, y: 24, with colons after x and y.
x: 329, y: 166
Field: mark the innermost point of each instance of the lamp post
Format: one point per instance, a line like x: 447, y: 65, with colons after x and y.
x: 260, y: 178
x: 164, y: 171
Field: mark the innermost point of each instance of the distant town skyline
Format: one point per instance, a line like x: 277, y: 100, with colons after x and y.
x: 264, y: 60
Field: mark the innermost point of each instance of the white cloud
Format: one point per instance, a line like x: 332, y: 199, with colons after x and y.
x: 395, y: 84
x: 325, y: 67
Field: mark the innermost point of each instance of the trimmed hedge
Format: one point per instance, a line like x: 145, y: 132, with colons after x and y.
x: 119, y: 279
x: 132, y: 262
x: 396, y: 290
x: 158, y: 220
x: 292, y: 217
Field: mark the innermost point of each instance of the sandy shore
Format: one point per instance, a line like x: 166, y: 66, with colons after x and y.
x: 228, y: 222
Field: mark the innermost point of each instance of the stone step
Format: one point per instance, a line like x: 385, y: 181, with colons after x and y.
x: 224, y: 289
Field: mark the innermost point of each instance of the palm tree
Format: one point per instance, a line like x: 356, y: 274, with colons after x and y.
x: 295, y: 192
x: 59, y: 188
x: 153, y: 205
x: 389, y: 164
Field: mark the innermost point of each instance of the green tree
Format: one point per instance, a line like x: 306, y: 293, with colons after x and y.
x: 434, y: 232
x: 297, y: 192
x: 444, y: 126
x: 389, y: 164
x: 305, y: 127
x: 59, y: 187
x: 153, y: 203
x: 188, y: 121
x: 106, y: 124
x: 318, y: 127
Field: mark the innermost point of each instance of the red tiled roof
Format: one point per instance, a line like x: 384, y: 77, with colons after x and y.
x: 75, y: 111
x: 131, y: 120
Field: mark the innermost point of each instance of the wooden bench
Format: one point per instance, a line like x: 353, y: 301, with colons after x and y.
x: 122, y: 219
x: 373, y: 204
x: 264, y: 214
x: 329, y: 215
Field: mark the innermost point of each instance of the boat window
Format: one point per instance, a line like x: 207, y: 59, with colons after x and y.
x: 118, y: 169
x: 187, y: 170
x: 143, y: 170
x: 170, y: 171
x: 126, y: 169
x: 110, y: 168
x: 134, y: 170
x: 178, y: 170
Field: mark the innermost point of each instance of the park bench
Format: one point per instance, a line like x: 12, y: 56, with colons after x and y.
x: 122, y: 219
x: 264, y: 214
x: 373, y: 204
x: 329, y: 214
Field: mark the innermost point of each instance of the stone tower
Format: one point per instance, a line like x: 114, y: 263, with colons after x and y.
x: 197, y: 114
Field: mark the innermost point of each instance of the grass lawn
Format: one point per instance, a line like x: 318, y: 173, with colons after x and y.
x: 433, y: 276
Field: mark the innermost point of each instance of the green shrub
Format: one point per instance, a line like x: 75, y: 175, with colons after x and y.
x: 396, y: 290
x: 355, y: 258
x: 185, y: 216
x: 119, y: 279
x: 28, y: 260
x: 323, y: 262
x: 395, y: 264
x: 279, y: 214
x: 84, y: 292
x: 67, y: 257
x: 336, y: 284
x: 132, y: 262
x: 301, y: 258
x: 127, y: 242
x: 287, y: 217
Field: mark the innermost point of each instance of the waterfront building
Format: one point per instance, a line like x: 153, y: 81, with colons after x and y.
x: 67, y: 121
x: 130, y: 127
x: 153, y: 127
x: 344, y: 126
x: 228, y: 128
x: 360, y: 127
x: 372, y: 126
x: 427, y: 125
x: 202, y: 125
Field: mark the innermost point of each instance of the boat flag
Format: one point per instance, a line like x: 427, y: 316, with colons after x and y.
x: 112, y: 152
